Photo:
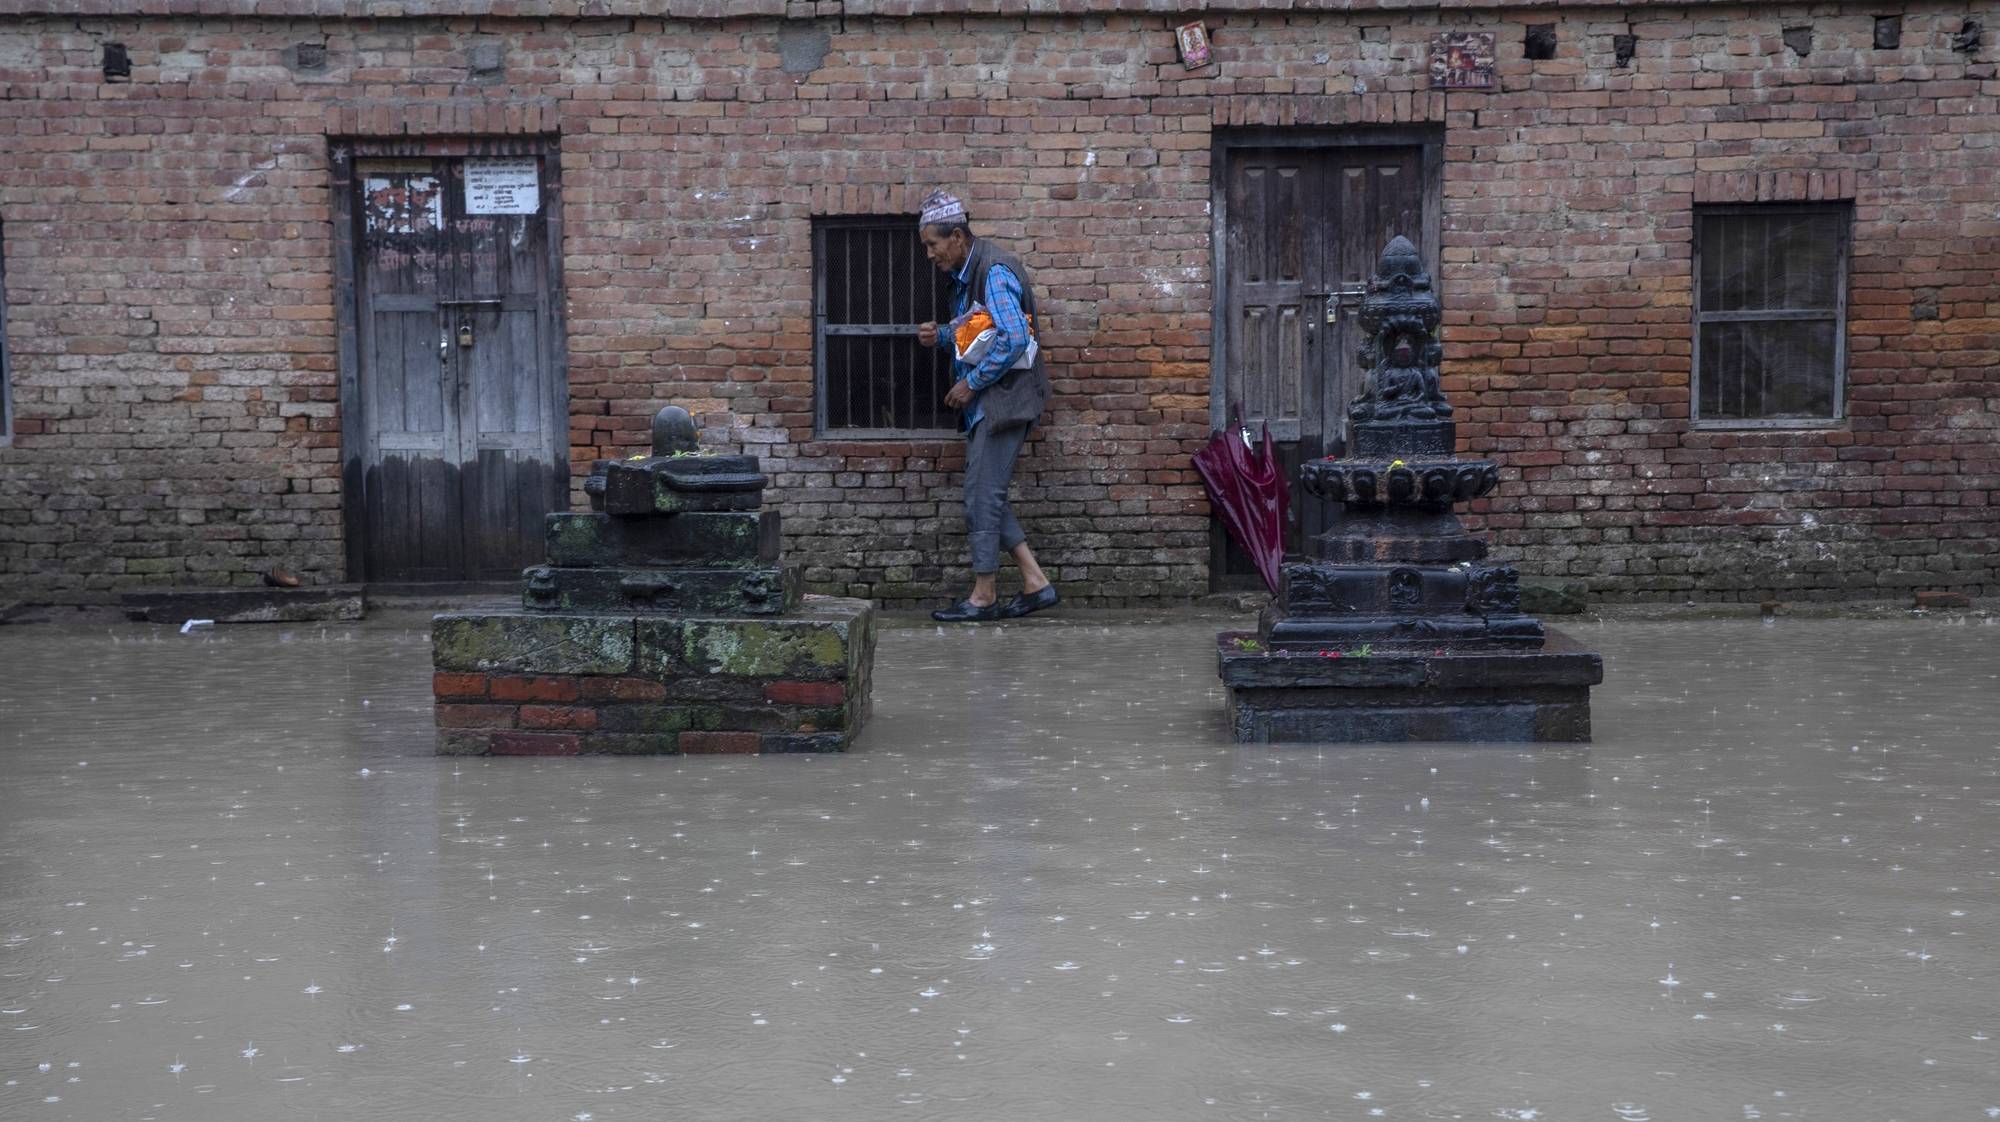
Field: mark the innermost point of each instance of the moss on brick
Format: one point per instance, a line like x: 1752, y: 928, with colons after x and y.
x: 789, y: 648
x: 532, y: 644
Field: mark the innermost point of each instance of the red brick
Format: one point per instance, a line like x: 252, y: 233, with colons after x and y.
x: 537, y: 744
x: 558, y: 717
x: 475, y: 716
x: 622, y: 689
x: 719, y: 743
x: 445, y: 684
x: 514, y: 687
x: 213, y: 403
x: 806, y: 693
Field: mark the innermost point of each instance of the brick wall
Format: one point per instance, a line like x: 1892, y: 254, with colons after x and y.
x: 168, y: 263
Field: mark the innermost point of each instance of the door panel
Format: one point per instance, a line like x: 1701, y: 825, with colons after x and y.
x: 1378, y: 193
x: 1303, y: 227
x: 461, y: 392
x: 1271, y: 251
x: 497, y: 268
x: 413, y: 509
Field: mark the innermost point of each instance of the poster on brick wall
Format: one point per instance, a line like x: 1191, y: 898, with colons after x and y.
x: 503, y: 185
x: 1462, y: 60
x: 1192, y: 39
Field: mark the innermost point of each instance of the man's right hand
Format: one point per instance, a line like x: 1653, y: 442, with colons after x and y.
x: 927, y: 333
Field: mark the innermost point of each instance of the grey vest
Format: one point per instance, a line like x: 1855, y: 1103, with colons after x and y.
x: 1019, y: 397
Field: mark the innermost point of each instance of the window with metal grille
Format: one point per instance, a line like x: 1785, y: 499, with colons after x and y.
x: 6, y: 366
x: 1770, y: 314
x: 873, y: 285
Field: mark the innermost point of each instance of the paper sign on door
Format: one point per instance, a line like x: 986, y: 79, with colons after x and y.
x: 503, y: 185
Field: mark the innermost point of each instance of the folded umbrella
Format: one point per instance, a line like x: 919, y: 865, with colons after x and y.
x: 1249, y: 493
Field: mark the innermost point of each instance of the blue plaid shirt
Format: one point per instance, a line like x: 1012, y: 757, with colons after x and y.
x: 1003, y: 303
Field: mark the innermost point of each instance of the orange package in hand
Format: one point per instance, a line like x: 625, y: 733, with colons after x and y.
x: 974, y: 333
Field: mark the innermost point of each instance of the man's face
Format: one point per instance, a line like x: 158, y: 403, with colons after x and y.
x: 947, y: 252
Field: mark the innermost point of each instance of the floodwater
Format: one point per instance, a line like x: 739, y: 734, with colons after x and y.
x: 235, y: 884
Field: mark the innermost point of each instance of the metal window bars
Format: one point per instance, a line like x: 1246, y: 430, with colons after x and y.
x: 872, y: 286
x: 1770, y: 314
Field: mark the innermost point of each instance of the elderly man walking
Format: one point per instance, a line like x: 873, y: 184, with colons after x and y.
x: 1000, y: 391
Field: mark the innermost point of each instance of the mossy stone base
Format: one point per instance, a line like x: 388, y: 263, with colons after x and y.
x: 532, y: 643
x: 541, y: 683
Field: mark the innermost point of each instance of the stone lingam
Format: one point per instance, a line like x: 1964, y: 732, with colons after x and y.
x: 663, y: 622
x: 1401, y: 629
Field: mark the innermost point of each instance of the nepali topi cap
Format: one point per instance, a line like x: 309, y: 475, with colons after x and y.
x: 941, y: 209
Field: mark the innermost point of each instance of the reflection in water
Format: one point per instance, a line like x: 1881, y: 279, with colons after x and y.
x: 234, y: 884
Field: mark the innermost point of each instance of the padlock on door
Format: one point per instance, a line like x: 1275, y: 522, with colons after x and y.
x: 465, y: 335
x: 1347, y: 295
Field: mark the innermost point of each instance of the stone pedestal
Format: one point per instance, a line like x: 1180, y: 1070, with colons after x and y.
x: 664, y: 621
x: 570, y: 683
x: 1444, y: 694
x: 1400, y: 628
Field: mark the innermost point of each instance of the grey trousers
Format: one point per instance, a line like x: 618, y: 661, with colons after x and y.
x: 989, y: 470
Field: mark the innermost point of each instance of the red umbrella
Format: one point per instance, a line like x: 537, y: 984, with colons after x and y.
x: 1249, y: 493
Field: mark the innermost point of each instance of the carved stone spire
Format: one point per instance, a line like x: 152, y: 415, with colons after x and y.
x: 1445, y: 652
x: 1401, y: 315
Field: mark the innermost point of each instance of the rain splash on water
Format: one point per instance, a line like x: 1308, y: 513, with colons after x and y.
x: 235, y: 884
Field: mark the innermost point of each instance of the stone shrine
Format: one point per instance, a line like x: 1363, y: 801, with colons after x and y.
x: 1401, y: 629
x: 664, y: 621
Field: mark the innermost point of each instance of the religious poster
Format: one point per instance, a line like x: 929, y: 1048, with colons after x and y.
x: 1462, y: 60
x: 1193, y: 40
x: 503, y: 185
x: 403, y: 204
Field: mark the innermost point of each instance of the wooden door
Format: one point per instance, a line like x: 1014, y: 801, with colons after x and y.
x: 1302, y: 229
x: 1374, y: 195
x: 459, y: 386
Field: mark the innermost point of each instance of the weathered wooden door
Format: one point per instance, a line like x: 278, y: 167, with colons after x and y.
x: 1302, y: 228
x: 458, y: 385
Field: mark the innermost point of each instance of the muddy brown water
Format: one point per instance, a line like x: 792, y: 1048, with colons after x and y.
x: 234, y: 884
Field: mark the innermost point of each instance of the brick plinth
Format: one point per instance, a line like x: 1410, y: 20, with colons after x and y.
x: 542, y: 684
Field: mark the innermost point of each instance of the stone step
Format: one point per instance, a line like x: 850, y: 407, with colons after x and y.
x: 1312, y: 633
x: 1325, y: 589
x: 702, y: 539
x: 1359, y: 696
x: 246, y: 605
x: 764, y: 591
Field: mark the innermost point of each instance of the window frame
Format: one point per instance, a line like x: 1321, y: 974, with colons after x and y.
x: 1841, y: 209
x: 822, y: 330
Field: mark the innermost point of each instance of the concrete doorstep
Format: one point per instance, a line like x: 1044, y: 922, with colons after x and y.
x: 327, y: 603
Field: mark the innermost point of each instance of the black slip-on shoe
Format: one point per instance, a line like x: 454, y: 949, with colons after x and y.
x: 1026, y: 602
x: 965, y: 611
